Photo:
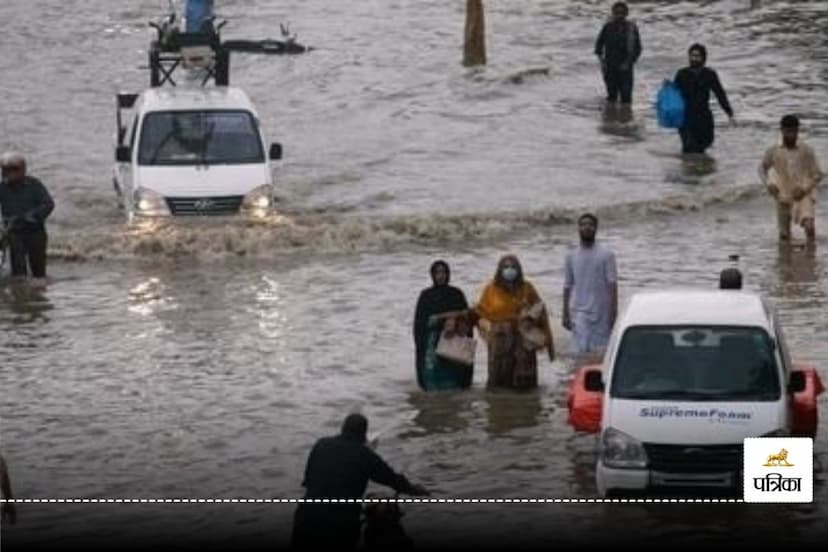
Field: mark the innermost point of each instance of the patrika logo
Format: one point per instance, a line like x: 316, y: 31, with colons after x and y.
x: 779, y: 459
x: 778, y: 469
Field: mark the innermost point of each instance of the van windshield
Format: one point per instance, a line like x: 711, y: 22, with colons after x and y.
x: 696, y: 363
x: 199, y: 138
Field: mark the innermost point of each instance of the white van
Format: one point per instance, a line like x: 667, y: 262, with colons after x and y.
x: 686, y: 377
x: 192, y: 152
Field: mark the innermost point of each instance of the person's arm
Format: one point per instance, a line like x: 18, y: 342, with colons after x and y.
x: 7, y: 511
x: 420, y: 320
x: 380, y: 472
x: 764, y: 167
x: 636, y: 53
x: 611, y: 274
x: 721, y: 95
x: 44, y: 203
x: 569, y: 282
x: 815, y: 174
x: 599, y: 43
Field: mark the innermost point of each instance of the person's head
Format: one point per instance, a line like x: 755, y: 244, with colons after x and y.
x: 620, y: 11
x: 440, y: 273
x: 697, y: 55
x: 730, y: 278
x: 509, y: 272
x: 355, y: 427
x: 790, y: 130
x: 587, y: 228
x: 13, y: 166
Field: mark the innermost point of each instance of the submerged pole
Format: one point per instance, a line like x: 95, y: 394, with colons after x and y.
x: 474, y: 47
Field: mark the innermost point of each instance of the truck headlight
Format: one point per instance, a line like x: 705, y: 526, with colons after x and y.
x: 619, y: 450
x: 150, y: 203
x: 259, y: 199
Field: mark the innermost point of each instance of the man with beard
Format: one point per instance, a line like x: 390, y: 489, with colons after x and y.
x: 340, y: 467
x: 791, y: 173
x: 695, y: 82
x: 590, y: 304
x: 618, y: 47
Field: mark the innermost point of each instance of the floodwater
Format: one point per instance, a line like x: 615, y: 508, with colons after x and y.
x: 202, y: 359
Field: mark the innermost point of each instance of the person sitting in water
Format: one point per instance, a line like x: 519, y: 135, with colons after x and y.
x: 430, y: 320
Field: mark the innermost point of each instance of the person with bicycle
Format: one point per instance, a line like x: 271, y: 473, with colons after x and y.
x: 25, y: 204
x: 340, y: 467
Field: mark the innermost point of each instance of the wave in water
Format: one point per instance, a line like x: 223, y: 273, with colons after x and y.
x: 338, y: 233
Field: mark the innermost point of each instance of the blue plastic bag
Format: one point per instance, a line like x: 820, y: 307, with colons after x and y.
x: 670, y: 105
x: 196, y: 13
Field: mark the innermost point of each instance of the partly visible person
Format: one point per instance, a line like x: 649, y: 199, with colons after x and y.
x: 514, y: 322
x: 792, y: 174
x: 696, y: 82
x: 618, y: 47
x: 730, y: 278
x: 590, y: 304
x: 340, y: 467
x: 8, y: 512
x: 430, y: 319
x: 25, y: 204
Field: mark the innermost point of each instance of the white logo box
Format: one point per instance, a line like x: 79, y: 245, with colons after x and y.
x: 778, y: 469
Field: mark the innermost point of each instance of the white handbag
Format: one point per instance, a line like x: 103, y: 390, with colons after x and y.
x: 458, y: 348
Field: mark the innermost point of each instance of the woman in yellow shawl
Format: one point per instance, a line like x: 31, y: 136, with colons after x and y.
x: 514, y: 322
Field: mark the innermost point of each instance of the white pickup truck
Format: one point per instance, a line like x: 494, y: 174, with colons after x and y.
x: 196, y: 151
x: 687, y: 375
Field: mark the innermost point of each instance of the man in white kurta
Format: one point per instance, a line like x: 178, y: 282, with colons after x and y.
x: 791, y: 173
x: 590, y: 290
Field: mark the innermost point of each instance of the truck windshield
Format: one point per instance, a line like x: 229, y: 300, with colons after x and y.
x: 696, y: 363
x: 199, y: 138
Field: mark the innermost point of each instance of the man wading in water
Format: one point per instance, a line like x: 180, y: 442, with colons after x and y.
x: 695, y: 82
x: 618, y: 47
x: 791, y: 173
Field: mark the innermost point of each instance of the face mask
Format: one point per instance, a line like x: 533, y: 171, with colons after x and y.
x: 509, y: 273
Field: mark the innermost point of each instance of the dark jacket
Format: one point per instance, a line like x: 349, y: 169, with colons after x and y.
x: 339, y: 467
x: 618, y: 43
x: 28, y: 196
x: 695, y: 86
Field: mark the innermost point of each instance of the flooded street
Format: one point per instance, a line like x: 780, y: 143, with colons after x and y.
x: 202, y: 359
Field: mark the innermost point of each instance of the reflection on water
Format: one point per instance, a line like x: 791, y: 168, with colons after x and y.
x: 441, y: 412
x: 29, y: 302
x: 618, y: 120
x: 507, y: 411
x: 798, y: 264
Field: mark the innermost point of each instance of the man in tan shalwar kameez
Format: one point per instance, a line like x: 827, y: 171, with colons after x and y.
x: 791, y: 173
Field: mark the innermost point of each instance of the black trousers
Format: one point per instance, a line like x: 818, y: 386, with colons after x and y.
x: 28, y: 253
x: 698, y: 132
x: 618, y: 83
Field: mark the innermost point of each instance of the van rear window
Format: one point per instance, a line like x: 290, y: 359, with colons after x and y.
x: 199, y: 138
x: 696, y: 363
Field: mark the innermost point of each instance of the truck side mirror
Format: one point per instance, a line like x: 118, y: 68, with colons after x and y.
x: 593, y: 381
x: 123, y: 154
x: 275, y: 151
x: 797, y: 383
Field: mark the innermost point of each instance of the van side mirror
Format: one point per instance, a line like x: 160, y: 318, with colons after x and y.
x: 593, y: 381
x: 123, y: 154
x: 797, y: 383
x: 275, y: 151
